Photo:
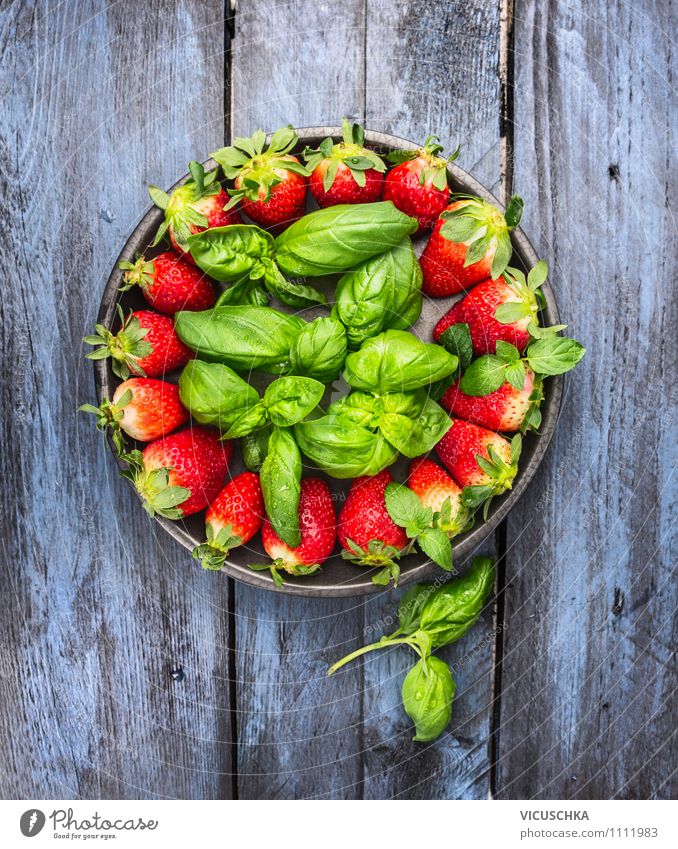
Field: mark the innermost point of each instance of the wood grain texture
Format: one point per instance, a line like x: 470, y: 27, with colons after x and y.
x: 588, y: 701
x: 95, y: 611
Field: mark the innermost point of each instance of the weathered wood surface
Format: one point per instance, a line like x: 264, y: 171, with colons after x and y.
x: 96, y: 609
x: 588, y: 704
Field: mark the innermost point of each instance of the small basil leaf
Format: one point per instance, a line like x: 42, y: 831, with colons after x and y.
x: 428, y: 692
x: 405, y: 508
x: 230, y: 253
x: 288, y: 400
x: 254, y: 448
x: 251, y: 420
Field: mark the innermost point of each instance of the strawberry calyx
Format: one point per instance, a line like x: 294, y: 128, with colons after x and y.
x: 500, y: 472
x: 451, y: 523
x: 482, y: 227
x: 108, y: 418
x: 377, y: 555
x: 212, y: 554
x: 351, y: 152
x: 124, y: 348
x: 180, y: 213
x: 299, y: 570
x: 433, y: 165
x: 257, y: 167
x: 139, y: 273
x: 159, y: 496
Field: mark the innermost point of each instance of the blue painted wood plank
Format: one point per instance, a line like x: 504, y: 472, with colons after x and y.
x: 589, y: 653
x: 98, y: 99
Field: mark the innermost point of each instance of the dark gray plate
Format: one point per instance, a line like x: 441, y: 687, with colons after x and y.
x: 338, y: 577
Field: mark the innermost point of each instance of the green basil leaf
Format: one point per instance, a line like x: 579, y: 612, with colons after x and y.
x: 457, y: 340
x: 436, y: 545
x: 428, y: 692
x: 250, y: 421
x: 554, y: 355
x: 254, y: 448
x: 405, y: 508
x: 342, y: 448
x: 230, y: 253
x: 414, y: 435
x: 294, y: 294
x: 339, y: 237
x: 214, y: 394
x: 396, y: 361
x: 244, y: 291
x: 290, y: 399
x: 281, y: 486
x: 319, y: 351
x: 484, y: 375
x: 242, y: 337
x: 362, y: 408
x: 411, y: 605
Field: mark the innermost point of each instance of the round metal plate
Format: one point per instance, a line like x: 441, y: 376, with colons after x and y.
x: 338, y: 577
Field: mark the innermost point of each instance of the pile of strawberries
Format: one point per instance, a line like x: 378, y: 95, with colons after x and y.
x: 184, y: 468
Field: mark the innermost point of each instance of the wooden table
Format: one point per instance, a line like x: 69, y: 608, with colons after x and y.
x: 127, y: 672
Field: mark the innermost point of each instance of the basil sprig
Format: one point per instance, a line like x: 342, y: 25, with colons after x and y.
x: 285, y: 402
x: 430, y: 617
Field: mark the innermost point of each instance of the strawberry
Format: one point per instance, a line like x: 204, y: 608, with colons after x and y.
x: 317, y: 523
x: 194, y: 206
x: 437, y: 490
x: 418, y: 183
x: 143, y: 408
x: 271, y: 183
x: 232, y: 519
x: 480, y: 461
x: 346, y: 172
x: 366, y: 531
x: 146, y: 344
x: 180, y: 474
x: 469, y: 243
x: 508, y: 409
x: 504, y: 309
x: 168, y: 283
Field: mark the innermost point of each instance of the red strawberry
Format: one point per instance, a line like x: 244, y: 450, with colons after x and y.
x: 232, y: 519
x: 418, y: 183
x: 479, y: 310
x: 506, y: 409
x: 317, y: 523
x: 168, y: 283
x: 271, y: 183
x: 192, y: 207
x: 180, y: 474
x: 479, y: 459
x: 366, y: 531
x: 437, y: 490
x: 346, y: 172
x: 470, y: 242
x: 143, y: 408
x: 146, y: 344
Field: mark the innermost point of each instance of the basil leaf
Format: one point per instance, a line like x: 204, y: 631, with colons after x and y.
x: 290, y: 399
x: 483, y: 376
x: 428, y: 692
x: 405, y: 508
x: 454, y: 608
x: 342, y: 448
x: 457, y: 340
x: 339, y: 237
x: 554, y: 355
x: 250, y: 421
x: 297, y: 295
x: 360, y: 407
x: 436, y: 545
x: 411, y: 605
x: 281, y: 486
x: 396, y: 361
x: 245, y: 291
x: 254, y: 448
x: 417, y: 434
x: 230, y: 253
x: 214, y: 394
x: 319, y: 350
x: 383, y: 292
x: 242, y: 337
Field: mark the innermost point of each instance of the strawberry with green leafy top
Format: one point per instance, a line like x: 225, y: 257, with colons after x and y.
x: 470, y: 242
x: 168, y: 283
x: 418, y: 185
x: 232, y: 519
x: 180, y: 474
x: 146, y: 344
x: 482, y: 462
x: 317, y: 522
x: 347, y: 172
x: 270, y: 183
x: 437, y: 490
x: 196, y: 205
x: 367, y: 533
x: 141, y: 407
